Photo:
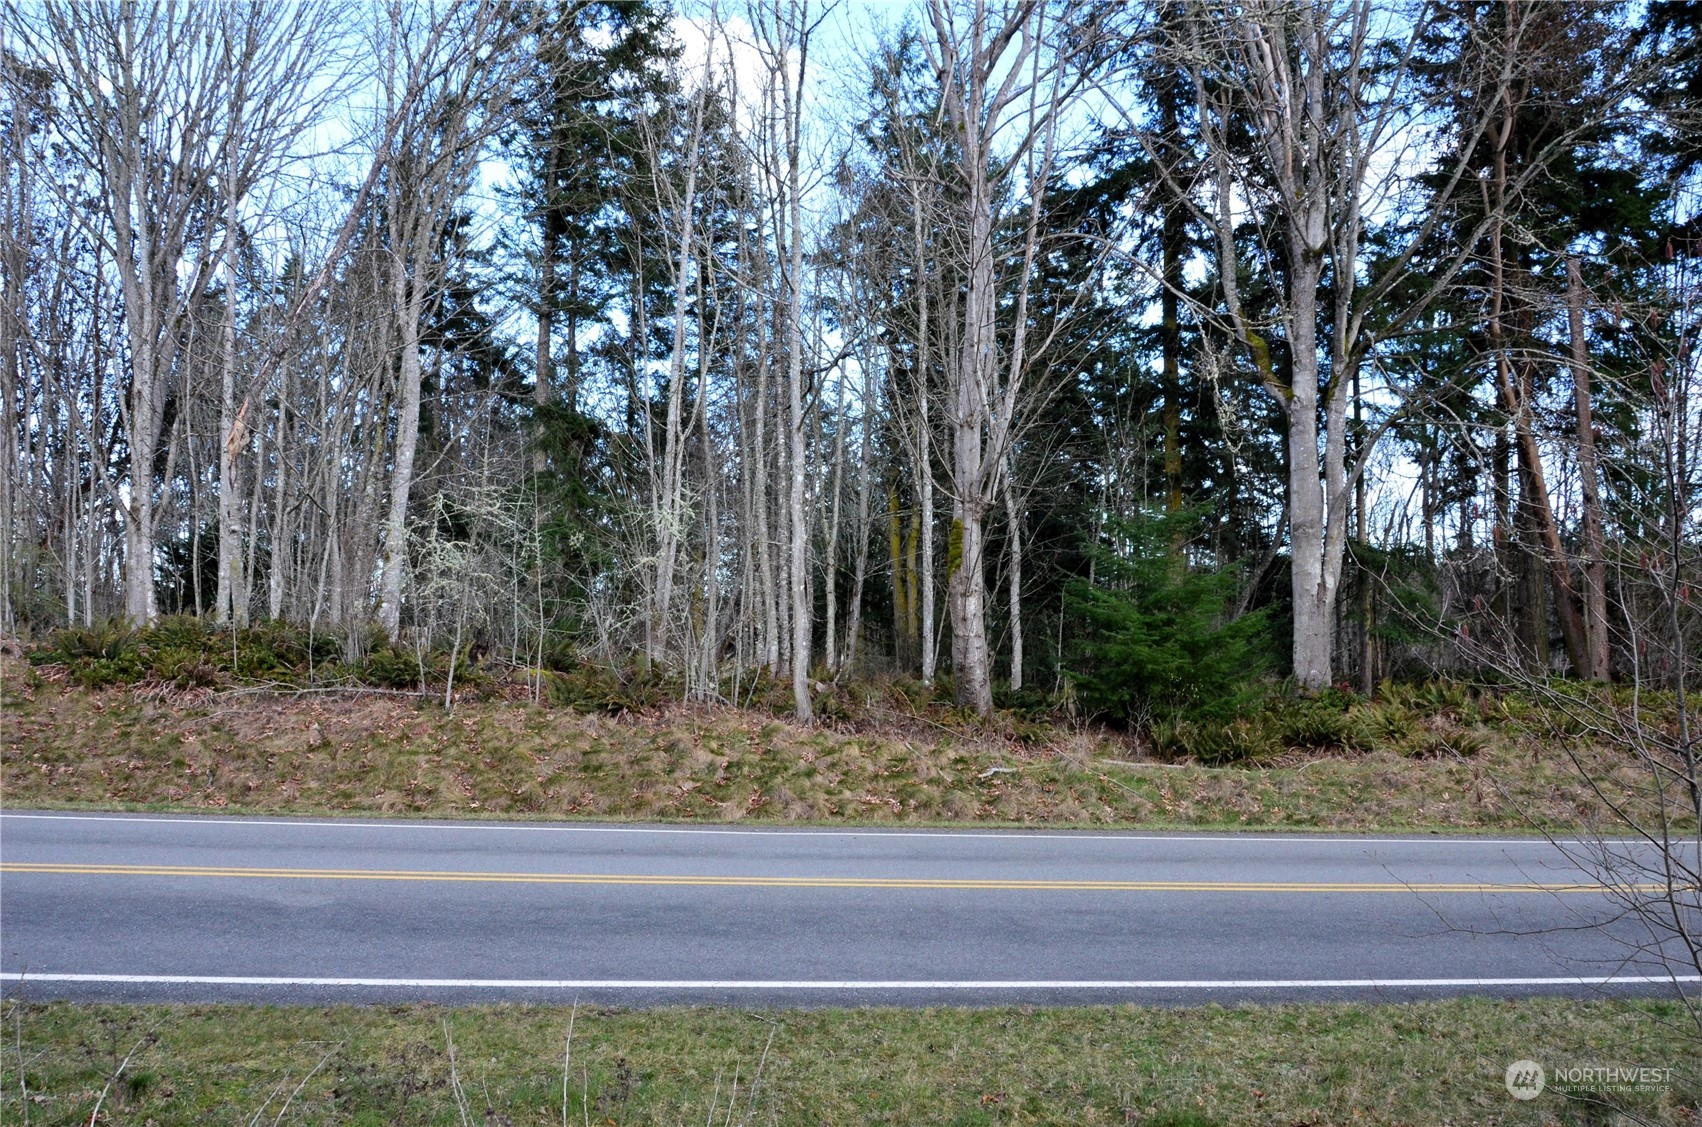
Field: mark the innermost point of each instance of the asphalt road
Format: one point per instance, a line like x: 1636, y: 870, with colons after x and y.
x: 138, y: 908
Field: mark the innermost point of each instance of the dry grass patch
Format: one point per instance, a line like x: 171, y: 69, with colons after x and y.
x: 367, y: 752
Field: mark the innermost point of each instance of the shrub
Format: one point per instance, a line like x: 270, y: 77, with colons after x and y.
x: 395, y: 668
x: 189, y: 652
x: 186, y: 668
x: 1239, y: 741
x: 108, y: 641
x: 591, y: 687
x: 1316, y: 723
x: 1030, y: 704
x: 1459, y: 744
x: 1214, y: 743
x: 832, y: 705
x: 1436, y: 698
x: 1387, y: 725
x: 96, y: 656
x: 1156, y: 637
x: 279, y: 648
x: 760, y: 690
x: 178, y: 632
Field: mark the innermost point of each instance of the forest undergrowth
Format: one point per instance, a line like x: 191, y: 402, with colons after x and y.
x: 180, y: 717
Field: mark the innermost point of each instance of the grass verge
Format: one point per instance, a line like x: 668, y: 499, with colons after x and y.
x: 373, y: 753
x: 1425, y: 1063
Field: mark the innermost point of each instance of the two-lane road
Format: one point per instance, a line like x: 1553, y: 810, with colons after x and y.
x: 130, y: 907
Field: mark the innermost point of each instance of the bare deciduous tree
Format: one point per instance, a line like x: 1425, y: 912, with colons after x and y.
x: 784, y: 39
x: 1329, y: 130
x: 279, y: 89
x: 1007, y: 75
x: 146, y: 88
x: 457, y: 59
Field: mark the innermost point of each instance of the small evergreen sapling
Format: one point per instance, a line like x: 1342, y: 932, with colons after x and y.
x: 1156, y: 638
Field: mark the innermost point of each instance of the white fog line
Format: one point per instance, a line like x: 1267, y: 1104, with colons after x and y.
x: 778, y: 831
x: 852, y: 984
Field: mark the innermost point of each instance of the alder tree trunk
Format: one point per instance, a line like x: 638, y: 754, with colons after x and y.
x: 1314, y: 584
x: 410, y: 302
x: 230, y: 604
x: 1013, y: 517
x: 924, y: 474
x: 802, y: 619
x: 1598, y: 652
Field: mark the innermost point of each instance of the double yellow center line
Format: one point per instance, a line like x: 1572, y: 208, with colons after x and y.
x: 477, y: 877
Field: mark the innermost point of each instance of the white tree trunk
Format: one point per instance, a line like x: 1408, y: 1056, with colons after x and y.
x: 668, y: 501
x: 1597, y: 641
x: 230, y: 604
x: 394, y: 561
x: 830, y: 539
x: 764, y: 534
x: 1004, y: 81
x: 854, y: 623
x: 1013, y: 517
x: 925, y: 436
x: 798, y: 523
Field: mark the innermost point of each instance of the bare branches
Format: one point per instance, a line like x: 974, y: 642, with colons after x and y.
x: 453, y: 97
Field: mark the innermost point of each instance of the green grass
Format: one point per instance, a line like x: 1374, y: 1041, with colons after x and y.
x: 1416, y: 765
x: 1422, y: 1063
